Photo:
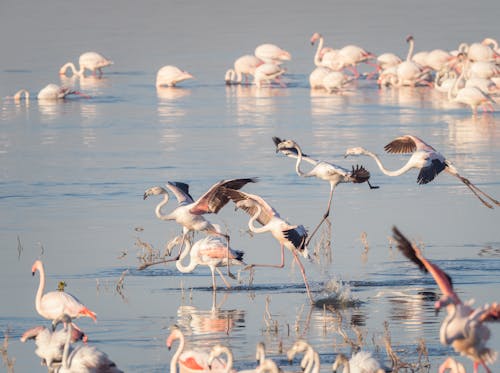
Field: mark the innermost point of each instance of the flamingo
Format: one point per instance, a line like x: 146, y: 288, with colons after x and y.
x: 189, y: 213
x: 83, y: 359
x: 335, y: 81
x: 472, y: 96
x: 360, y: 362
x: 271, y: 53
x: 322, y: 170
x: 317, y: 75
x: 351, y: 55
x: 425, y: 158
x: 171, y: 75
x: 267, y: 72
x: 50, y: 344
x: 463, y: 328
x: 310, y: 362
x: 92, y: 61
x: 219, y: 349
x: 269, y: 366
x: 243, y: 66
x: 49, y: 92
x: 452, y: 365
x: 292, y: 237
x: 53, y: 304
x: 409, y: 72
x: 213, y: 252
x: 478, y: 52
x: 189, y: 361
x: 324, y: 56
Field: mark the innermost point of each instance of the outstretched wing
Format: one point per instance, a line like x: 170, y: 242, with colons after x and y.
x: 249, y: 203
x: 428, y: 173
x: 213, y: 200
x: 181, y: 191
x: 407, y: 144
x: 413, y: 253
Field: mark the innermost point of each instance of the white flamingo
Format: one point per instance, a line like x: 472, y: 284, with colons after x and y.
x: 335, y: 81
x: 310, y: 363
x: 49, y: 92
x: 170, y: 75
x: 267, y: 72
x: 92, y: 61
x: 83, y: 358
x: 463, y: 328
x: 293, y: 237
x: 317, y: 75
x: 271, y: 53
x: 322, y: 170
x: 360, y: 362
x: 324, y: 56
x: 219, y: 350
x: 425, y: 158
x: 243, y: 67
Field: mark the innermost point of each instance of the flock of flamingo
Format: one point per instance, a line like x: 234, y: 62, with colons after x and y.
x: 471, y: 71
x: 468, y: 75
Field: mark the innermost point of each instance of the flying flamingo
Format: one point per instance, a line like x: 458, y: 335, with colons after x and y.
x: 49, y: 92
x: 213, y: 252
x: 53, y: 304
x: 464, y: 328
x: 266, y: 72
x: 83, y: 358
x: 92, y: 61
x: 292, y: 237
x: 271, y: 53
x: 189, y: 361
x: 362, y: 361
x: 189, y: 213
x: 322, y: 170
x: 425, y: 158
x: 451, y: 364
x: 243, y: 66
x: 50, y: 344
x: 171, y: 75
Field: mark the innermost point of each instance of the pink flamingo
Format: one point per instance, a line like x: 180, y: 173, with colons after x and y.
x: 293, y: 237
x: 50, y: 344
x: 92, y: 61
x: 189, y: 213
x: 267, y: 72
x: 271, y: 53
x: 171, y: 75
x: 189, y: 361
x: 463, y: 328
x: 324, y: 56
x: 317, y: 75
x: 213, y: 252
x: 83, y: 359
x: 362, y: 361
x: 53, y: 304
x: 49, y: 92
x: 243, y: 66
x: 425, y: 158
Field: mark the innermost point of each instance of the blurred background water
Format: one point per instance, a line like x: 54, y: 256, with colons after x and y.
x: 73, y: 173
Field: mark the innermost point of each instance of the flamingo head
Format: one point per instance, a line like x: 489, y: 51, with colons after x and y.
x: 340, y: 360
x: 315, y: 37
x: 357, y: 150
x: 175, y: 333
x: 285, y: 145
x: 409, y: 38
x: 36, y: 266
x: 154, y: 191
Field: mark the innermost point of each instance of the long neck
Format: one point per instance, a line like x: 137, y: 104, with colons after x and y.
x: 71, y: 65
x: 19, y: 94
x: 229, y: 357
x: 192, y: 264
x: 251, y: 225
x: 158, y: 212
x: 41, y: 287
x: 299, y: 160
x: 401, y: 171
x: 410, y: 50
x: 452, y: 92
x: 175, y: 358
x: 65, y: 362
x: 451, y: 309
x: 317, y: 56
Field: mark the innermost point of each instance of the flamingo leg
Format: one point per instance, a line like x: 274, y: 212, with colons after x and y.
x: 303, y: 271
x: 327, y: 213
x: 228, y: 285
x: 271, y: 265
x: 476, y: 192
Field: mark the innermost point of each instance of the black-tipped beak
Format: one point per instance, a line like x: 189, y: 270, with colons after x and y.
x: 32, y: 273
x: 144, y: 196
x: 436, y: 311
x: 169, y: 348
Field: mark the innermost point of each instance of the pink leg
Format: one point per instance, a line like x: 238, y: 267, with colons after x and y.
x: 272, y: 265
x: 303, y: 271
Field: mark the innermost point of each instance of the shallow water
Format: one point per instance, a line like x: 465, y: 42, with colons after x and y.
x: 73, y: 173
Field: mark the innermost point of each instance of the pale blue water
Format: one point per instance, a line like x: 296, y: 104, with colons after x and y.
x: 73, y: 174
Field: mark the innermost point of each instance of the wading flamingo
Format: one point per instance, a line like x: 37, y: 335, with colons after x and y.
x: 463, y: 328
x: 425, y: 158
x: 189, y: 361
x: 271, y: 53
x: 267, y: 72
x: 171, y: 75
x: 189, y: 213
x: 92, y: 61
x: 49, y: 92
x: 83, y: 358
x: 54, y: 304
x: 211, y: 251
x: 243, y: 67
x: 50, y: 344
x: 219, y: 350
x: 360, y: 362
x: 324, y: 56
x: 322, y: 170
x: 310, y: 363
x: 292, y: 237
x: 317, y: 75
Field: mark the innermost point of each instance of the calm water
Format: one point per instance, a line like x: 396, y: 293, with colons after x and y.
x: 73, y: 173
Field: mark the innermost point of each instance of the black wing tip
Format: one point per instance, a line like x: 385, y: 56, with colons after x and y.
x: 360, y: 174
x: 406, y: 248
x: 277, y: 140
